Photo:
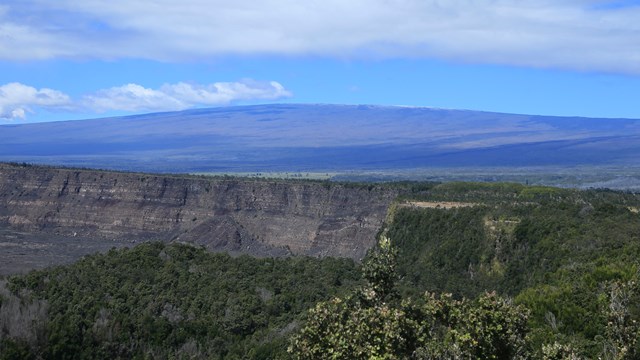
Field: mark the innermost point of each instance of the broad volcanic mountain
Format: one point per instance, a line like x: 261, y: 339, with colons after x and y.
x: 322, y: 137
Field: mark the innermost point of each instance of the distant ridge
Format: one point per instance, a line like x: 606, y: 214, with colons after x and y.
x: 292, y: 137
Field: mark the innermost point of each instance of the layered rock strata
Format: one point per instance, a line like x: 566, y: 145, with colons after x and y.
x: 257, y: 217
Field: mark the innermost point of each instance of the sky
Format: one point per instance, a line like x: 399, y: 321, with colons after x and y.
x: 69, y: 59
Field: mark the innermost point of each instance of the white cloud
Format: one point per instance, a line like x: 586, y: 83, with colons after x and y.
x: 575, y: 34
x: 133, y: 97
x: 16, y: 100
x: 225, y: 92
x: 130, y: 97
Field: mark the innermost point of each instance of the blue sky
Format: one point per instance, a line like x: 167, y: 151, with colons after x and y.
x: 67, y: 59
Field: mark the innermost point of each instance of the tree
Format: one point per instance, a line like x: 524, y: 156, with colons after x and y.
x: 373, y: 323
x: 622, y: 331
x: 362, y: 325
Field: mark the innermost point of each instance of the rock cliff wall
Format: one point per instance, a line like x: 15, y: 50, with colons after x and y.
x: 258, y: 217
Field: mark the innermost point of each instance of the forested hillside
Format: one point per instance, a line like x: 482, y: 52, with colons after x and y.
x: 555, y: 251
x: 163, y: 301
x: 462, y: 270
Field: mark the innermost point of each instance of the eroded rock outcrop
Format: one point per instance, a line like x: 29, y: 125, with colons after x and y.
x: 256, y: 217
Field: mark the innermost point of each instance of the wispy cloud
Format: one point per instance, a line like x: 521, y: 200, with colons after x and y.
x: 594, y: 35
x: 18, y: 100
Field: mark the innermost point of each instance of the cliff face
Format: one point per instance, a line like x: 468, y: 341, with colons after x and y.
x: 256, y: 217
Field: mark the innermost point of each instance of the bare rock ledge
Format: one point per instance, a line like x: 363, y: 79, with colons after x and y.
x: 256, y: 217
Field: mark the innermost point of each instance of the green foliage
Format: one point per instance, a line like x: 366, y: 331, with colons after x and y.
x: 379, y: 269
x: 15, y: 350
x: 165, y: 301
x: 362, y: 326
x: 553, y: 250
x: 567, y: 257
x: 622, y: 334
x: 345, y: 329
x: 488, y: 328
x: 557, y: 351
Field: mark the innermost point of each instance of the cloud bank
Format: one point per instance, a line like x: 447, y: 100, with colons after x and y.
x: 593, y: 35
x: 17, y: 100
x: 133, y: 97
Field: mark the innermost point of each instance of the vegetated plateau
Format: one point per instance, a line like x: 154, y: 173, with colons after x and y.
x: 534, y: 272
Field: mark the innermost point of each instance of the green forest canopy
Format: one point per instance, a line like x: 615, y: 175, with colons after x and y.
x: 566, y: 258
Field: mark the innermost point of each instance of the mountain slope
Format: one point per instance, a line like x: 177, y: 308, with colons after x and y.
x: 322, y: 138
